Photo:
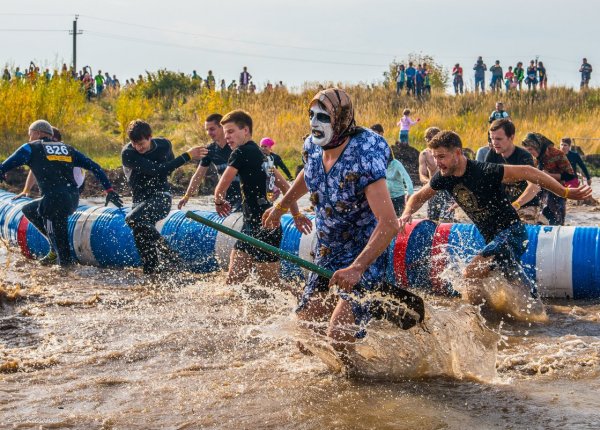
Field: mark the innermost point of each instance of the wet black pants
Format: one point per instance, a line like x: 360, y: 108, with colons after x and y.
x: 142, y: 221
x: 49, y: 215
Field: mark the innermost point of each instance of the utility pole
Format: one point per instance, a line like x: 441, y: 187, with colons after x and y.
x: 75, y: 33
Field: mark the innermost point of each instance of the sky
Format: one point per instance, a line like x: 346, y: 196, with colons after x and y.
x: 348, y: 41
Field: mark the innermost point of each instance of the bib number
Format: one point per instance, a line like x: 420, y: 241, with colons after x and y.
x: 58, y: 152
x: 56, y: 149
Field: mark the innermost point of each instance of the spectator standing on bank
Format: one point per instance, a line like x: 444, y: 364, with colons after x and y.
x: 531, y: 79
x: 586, y: 73
x: 480, y: 69
x: 210, y: 81
x: 245, y: 78
x: 420, y: 80
x: 519, y: 75
x: 457, y: 73
x: 410, y: 79
x: 496, y: 82
x: 99, y: 83
x: 542, y: 76
x: 426, y: 80
x: 509, y: 77
x: 400, y: 79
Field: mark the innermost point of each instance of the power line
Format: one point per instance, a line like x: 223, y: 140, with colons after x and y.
x: 30, y: 29
x: 227, y: 39
x: 35, y: 14
x: 217, y: 51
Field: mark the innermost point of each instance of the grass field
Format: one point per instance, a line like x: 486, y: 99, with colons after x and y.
x: 178, y: 111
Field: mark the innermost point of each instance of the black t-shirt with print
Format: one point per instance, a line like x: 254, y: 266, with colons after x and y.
x: 250, y: 163
x: 519, y: 157
x: 479, y: 192
x: 220, y: 158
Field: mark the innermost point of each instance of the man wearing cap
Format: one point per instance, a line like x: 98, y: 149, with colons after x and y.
x: 266, y: 146
x: 52, y: 164
x: 218, y: 155
x: 345, y: 173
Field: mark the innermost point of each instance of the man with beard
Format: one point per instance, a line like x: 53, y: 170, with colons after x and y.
x: 478, y: 188
x: 345, y: 173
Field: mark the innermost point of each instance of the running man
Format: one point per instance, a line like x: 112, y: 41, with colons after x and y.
x: 478, y: 189
x: 218, y: 155
x: 52, y: 164
x: 344, y: 171
x: 147, y: 163
x: 258, y: 178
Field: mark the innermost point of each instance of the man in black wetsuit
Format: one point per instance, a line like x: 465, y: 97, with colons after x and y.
x: 478, y: 188
x: 218, y: 155
x: 52, y: 164
x: 147, y: 163
x: 523, y: 195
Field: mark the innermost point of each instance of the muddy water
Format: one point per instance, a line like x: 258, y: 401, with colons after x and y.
x: 97, y: 348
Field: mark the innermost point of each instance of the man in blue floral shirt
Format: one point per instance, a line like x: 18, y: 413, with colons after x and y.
x: 344, y: 171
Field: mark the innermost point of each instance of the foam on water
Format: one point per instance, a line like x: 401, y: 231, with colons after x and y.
x: 430, y: 349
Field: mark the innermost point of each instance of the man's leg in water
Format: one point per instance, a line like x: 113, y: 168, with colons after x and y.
x: 479, y: 268
x: 240, y: 265
x: 142, y: 221
x: 268, y: 274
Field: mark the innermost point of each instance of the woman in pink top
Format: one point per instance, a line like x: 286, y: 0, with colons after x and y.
x: 405, y: 124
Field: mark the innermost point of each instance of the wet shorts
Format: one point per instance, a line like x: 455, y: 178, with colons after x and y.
x: 507, y: 248
x: 271, y: 237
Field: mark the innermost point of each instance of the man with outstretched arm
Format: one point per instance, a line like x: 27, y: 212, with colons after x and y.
x: 478, y: 188
x: 52, y: 164
x: 345, y: 173
x: 258, y: 178
x: 147, y: 163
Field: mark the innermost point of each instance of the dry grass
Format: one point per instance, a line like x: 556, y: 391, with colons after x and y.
x: 97, y: 127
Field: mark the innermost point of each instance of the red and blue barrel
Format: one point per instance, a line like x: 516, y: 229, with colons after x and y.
x: 564, y: 261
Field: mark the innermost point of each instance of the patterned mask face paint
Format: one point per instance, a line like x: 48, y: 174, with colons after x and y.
x: 320, y: 126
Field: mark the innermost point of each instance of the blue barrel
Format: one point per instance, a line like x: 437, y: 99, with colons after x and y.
x: 193, y: 241
x: 290, y: 243
x: 111, y: 240
x: 586, y: 263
